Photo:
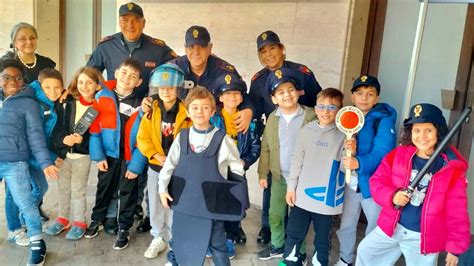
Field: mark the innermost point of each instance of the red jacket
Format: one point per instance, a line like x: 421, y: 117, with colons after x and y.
x: 445, y: 224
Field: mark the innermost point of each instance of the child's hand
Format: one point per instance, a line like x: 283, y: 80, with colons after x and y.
x: 58, y: 162
x: 165, y: 197
x: 350, y: 163
x: 263, y: 183
x: 160, y: 158
x: 69, y: 140
x: 351, y: 145
x: 51, y: 172
x: 401, y: 198
x: 77, y: 138
x: 291, y: 198
x: 146, y: 104
x: 243, y: 120
x: 130, y: 175
x: 451, y: 260
x: 103, y: 166
x: 63, y: 96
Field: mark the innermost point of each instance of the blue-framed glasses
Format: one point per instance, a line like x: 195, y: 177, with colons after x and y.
x: 322, y: 107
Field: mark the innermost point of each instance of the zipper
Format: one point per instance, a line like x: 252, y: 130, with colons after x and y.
x: 407, y: 181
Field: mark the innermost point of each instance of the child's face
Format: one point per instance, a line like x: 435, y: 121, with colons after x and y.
x: 272, y: 56
x: 53, y: 88
x: 285, y: 96
x: 11, y: 81
x: 231, y: 99
x: 326, y: 110
x: 128, y: 78
x: 87, y: 86
x: 365, y: 98
x: 200, y: 112
x: 168, y: 94
x: 424, y: 136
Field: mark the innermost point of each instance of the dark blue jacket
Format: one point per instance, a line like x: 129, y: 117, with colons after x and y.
x: 21, y: 130
x: 376, y: 138
x: 112, y: 51
x: 260, y: 94
x: 248, y: 144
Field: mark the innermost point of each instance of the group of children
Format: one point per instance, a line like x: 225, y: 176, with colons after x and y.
x: 197, y: 159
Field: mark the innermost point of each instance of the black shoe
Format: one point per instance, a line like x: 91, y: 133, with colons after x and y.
x: 264, y: 236
x: 139, y: 213
x: 93, y: 229
x: 241, y: 237
x: 144, y: 225
x: 37, y: 252
x: 270, y: 252
x: 44, y: 216
x: 122, y: 240
x: 110, y: 226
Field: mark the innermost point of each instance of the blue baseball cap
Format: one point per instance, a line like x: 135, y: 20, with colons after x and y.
x: 425, y: 113
x: 230, y: 82
x: 366, y: 80
x: 167, y: 75
x: 197, y: 35
x: 282, y: 75
x: 266, y: 38
x: 131, y: 9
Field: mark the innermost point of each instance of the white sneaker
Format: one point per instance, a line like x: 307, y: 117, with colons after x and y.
x: 314, y: 260
x: 342, y: 263
x: 19, y: 237
x: 156, y: 246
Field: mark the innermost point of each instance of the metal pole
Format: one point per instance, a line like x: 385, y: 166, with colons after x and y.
x: 414, y: 58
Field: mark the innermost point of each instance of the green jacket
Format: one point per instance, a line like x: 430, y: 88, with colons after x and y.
x: 270, y: 152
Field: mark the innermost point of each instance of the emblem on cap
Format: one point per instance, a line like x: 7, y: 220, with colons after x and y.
x: 264, y: 36
x: 227, y: 78
x: 195, y: 33
x: 417, y: 110
x: 278, y: 74
x: 165, y: 76
x: 130, y: 6
x: 363, y: 78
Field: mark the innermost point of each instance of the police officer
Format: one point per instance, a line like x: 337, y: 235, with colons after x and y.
x: 271, y: 53
x: 131, y: 42
x: 204, y: 69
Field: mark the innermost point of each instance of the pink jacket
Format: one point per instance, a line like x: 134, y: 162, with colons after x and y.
x: 445, y: 222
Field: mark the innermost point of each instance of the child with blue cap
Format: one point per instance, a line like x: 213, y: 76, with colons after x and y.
x: 434, y: 217
x: 157, y: 131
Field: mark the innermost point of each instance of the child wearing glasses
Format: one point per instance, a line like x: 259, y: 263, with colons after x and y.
x: 376, y: 138
x: 315, y: 186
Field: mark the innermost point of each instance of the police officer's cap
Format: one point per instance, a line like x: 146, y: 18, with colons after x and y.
x: 366, y: 80
x: 425, y: 113
x: 131, y: 9
x: 282, y: 75
x: 197, y: 35
x: 266, y: 38
x: 169, y: 75
x: 230, y: 82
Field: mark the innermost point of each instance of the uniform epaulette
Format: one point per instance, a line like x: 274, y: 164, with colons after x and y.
x: 157, y: 41
x: 305, y: 70
x: 106, y: 38
x: 226, y: 66
x: 258, y: 74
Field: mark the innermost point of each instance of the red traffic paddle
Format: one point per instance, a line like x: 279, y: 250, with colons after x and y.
x: 349, y: 120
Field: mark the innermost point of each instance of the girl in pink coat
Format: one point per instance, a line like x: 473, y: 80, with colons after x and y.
x: 434, y: 218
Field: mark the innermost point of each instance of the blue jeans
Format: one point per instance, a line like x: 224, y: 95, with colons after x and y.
x: 39, y: 186
x: 18, y: 180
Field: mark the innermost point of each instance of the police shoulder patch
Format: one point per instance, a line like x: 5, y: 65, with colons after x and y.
x: 258, y: 74
x: 157, y: 41
x: 106, y: 38
x: 304, y: 69
x: 226, y: 66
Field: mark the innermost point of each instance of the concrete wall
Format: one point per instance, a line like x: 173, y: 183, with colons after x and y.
x: 12, y: 12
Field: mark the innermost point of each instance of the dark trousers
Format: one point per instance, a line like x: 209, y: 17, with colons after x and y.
x: 107, y: 186
x: 266, y: 202
x: 232, y: 229
x: 296, y: 230
x: 128, y: 196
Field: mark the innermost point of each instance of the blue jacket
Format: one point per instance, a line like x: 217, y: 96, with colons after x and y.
x: 248, y: 144
x: 106, y: 133
x: 376, y: 138
x: 112, y: 51
x: 48, y: 115
x: 21, y: 130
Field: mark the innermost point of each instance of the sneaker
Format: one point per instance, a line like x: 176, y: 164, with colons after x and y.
x: 270, y: 252
x: 208, y: 253
x: 59, y: 225
x: 144, y: 225
x: 230, y: 248
x: 93, y: 229
x: 342, y: 262
x: 110, y: 226
x: 264, y: 236
x: 139, y: 212
x: 37, y: 252
x: 122, y: 240
x: 19, y: 237
x: 157, y: 245
x: 44, y: 216
x: 241, y: 237
x: 77, y: 231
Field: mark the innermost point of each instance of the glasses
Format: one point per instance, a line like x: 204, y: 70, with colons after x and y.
x: 8, y: 78
x: 25, y: 39
x: 322, y: 107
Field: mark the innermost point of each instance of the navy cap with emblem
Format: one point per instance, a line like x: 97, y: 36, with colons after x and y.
x: 230, y: 82
x: 282, y: 75
x: 167, y: 75
x: 366, y: 80
x: 266, y: 38
x: 197, y: 35
x: 131, y: 9
x: 425, y: 113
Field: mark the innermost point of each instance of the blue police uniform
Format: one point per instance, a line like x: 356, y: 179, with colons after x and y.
x: 112, y: 51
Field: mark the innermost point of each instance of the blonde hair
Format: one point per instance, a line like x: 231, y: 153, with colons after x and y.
x: 199, y: 93
x: 91, y: 72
